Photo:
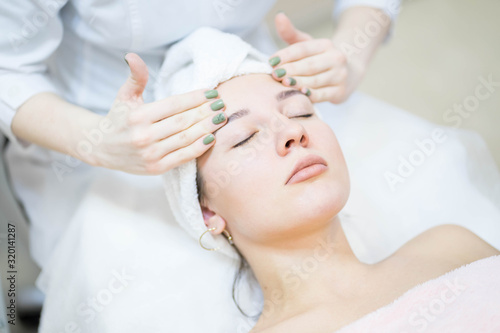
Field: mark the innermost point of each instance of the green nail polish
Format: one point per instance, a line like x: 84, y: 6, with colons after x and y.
x: 280, y: 72
x: 211, y: 93
x: 308, y: 92
x: 209, y: 138
x: 217, y: 105
x: 274, y: 61
x: 292, y: 81
x: 126, y: 60
x: 217, y: 119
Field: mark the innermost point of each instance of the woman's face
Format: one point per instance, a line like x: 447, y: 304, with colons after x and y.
x: 245, y: 173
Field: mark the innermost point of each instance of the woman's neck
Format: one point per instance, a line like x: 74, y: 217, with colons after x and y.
x: 318, y: 269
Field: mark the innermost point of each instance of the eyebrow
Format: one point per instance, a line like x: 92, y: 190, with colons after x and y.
x: 288, y: 93
x: 243, y: 112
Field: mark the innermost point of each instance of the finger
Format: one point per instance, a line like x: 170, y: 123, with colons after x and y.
x: 172, y: 105
x: 278, y: 74
x: 300, y: 50
x: 186, y: 145
x: 133, y: 88
x: 287, y: 31
x: 182, y: 155
x: 335, y: 94
x: 332, y: 77
x: 183, y: 120
x: 309, y: 66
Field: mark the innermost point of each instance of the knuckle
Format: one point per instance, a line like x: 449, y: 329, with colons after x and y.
x: 140, y: 139
x: 183, y: 137
x: 203, y: 112
x: 180, y: 120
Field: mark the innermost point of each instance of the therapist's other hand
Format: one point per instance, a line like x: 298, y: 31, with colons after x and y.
x: 152, y: 138
x: 315, y: 66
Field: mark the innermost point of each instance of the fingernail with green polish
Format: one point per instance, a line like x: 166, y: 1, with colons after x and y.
x: 209, y: 138
x: 308, y: 92
x: 211, y: 93
x: 280, y: 72
x: 292, y: 81
x: 126, y: 59
x: 274, y: 61
x: 217, y: 119
x: 217, y: 105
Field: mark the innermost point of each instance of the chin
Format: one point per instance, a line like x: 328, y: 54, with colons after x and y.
x: 320, y: 198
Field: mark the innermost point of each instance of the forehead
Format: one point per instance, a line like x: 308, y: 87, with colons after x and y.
x: 254, y: 91
x: 241, y: 90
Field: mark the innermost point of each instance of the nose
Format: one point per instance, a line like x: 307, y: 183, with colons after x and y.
x: 291, y: 136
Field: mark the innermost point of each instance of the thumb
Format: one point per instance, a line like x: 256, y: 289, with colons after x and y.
x: 137, y: 80
x: 287, y: 31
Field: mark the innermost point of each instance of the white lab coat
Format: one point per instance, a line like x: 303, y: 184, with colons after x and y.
x: 76, y: 49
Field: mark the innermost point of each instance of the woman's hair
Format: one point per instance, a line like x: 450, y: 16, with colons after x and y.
x: 200, y: 184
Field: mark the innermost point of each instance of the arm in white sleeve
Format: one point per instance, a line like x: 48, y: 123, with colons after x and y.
x: 389, y: 7
x: 31, y: 32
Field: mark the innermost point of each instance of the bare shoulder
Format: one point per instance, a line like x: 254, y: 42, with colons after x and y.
x: 432, y: 253
x: 450, y: 243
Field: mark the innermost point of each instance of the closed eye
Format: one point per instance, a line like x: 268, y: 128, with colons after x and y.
x: 251, y: 136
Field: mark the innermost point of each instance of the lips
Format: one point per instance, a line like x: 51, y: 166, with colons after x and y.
x: 307, y: 167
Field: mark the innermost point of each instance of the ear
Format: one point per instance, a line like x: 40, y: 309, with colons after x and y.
x: 213, y: 220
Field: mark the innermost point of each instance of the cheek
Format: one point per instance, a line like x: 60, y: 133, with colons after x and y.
x: 237, y: 181
x: 247, y: 193
x: 325, y: 141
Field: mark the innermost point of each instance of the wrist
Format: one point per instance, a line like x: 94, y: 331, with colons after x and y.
x: 87, y: 136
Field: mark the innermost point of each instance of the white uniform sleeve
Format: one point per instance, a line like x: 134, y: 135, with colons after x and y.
x: 31, y: 32
x: 390, y: 7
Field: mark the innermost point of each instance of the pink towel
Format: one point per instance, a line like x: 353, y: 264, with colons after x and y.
x: 466, y: 299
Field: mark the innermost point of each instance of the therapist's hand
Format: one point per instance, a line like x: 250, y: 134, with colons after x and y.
x: 315, y: 66
x: 152, y: 138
